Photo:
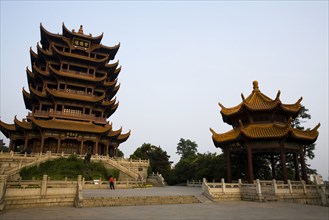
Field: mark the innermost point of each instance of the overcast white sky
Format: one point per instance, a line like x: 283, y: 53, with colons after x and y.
x: 180, y: 58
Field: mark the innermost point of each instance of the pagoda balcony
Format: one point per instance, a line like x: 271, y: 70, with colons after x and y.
x: 67, y: 115
x: 78, y: 73
x: 75, y: 92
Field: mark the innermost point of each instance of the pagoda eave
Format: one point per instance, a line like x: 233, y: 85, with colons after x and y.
x: 71, y: 75
x: 71, y: 34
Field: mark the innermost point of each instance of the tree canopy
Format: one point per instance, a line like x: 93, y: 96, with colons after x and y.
x: 159, y: 159
x: 186, y: 148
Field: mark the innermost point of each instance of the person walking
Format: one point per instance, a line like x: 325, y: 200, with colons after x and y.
x: 111, y: 181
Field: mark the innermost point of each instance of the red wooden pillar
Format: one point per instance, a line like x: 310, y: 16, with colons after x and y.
x: 283, y: 163
x: 303, y: 165
x: 58, y: 145
x: 42, y: 143
x: 228, y: 165
x: 11, y: 144
x: 81, y: 147
x: 26, y: 141
x: 296, y: 165
x: 250, y: 171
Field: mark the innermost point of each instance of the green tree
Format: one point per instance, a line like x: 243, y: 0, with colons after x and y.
x: 309, y: 148
x: 186, y: 148
x: 159, y: 159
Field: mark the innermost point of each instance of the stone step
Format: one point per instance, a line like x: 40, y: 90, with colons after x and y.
x: 39, y: 202
x: 203, y: 199
x: 139, y: 200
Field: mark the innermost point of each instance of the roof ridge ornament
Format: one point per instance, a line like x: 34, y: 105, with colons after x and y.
x: 278, y: 95
x: 316, y: 127
x: 80, y: 29
x: 242, y: 96
x: 222, y: 106
x: 255, y: 84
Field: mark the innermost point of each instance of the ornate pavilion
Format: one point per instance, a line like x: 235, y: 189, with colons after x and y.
x: 72, y: 88
x: 262, y: 126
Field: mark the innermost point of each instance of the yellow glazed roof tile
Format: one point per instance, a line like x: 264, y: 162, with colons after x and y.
x: 257, y: 101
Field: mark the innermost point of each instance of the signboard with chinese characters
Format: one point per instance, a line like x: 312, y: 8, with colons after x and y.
x: 81, y: 43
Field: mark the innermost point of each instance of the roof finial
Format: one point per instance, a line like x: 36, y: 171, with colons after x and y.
x: 81, y: 29
x: 255, y: 83
x: 242, y: 96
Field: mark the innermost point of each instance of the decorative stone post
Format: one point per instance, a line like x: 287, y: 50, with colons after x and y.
x: 304, y: 186
x: 275, y: 187
x: 79, y: 197
x: 44, y: 186
x: 258, y: 188
x: 223, y: 185
x: 290, y: 186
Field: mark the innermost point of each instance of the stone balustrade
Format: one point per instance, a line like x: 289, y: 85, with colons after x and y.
x: 293, y: 191
x: 46, y: 192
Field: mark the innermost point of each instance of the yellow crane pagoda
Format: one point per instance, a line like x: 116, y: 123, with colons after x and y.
x: 262, y: 125
x: 72, y: 88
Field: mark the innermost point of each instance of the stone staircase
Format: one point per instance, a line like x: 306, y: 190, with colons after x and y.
x: 118, y: 166
x: 11, y: 163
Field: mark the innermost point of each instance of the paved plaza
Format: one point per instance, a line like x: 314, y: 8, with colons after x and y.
x: 205, y: 210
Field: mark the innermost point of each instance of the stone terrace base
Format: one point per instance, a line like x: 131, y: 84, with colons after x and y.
x: 138, y: 200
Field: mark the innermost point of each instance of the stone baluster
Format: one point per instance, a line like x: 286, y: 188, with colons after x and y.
x: 44, y: 186
x: 275, y: 187
x: 258, y: 188
x: 304, y: 186
x: 290, y: 186
x: 223, y: 185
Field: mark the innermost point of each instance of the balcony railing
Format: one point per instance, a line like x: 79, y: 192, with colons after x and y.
x: 67, y: 115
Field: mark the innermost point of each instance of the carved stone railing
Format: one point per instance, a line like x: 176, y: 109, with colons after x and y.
x: 293, y: 191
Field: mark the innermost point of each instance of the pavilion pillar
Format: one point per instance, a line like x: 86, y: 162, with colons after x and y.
x: 273, y: 167
x: 250, y: 171
x: 116, y: 151
x: 26, y: 141
x: 96, y: 147
x: 42, y: 143
x: 11, y: 144
x: 58, y: 145
x: 107, y: 148
x: 303, y: 165
x: 283, y: 163
x: 228, y: 165
x: 81, y: 147
x: 296, y: 165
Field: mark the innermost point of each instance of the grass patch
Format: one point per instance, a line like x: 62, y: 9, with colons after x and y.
x: 70, y: 167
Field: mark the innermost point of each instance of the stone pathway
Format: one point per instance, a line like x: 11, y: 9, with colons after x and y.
x: 222, y: 210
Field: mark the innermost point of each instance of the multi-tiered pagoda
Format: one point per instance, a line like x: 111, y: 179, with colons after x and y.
x: 72, y: 88
x: 263, y: 126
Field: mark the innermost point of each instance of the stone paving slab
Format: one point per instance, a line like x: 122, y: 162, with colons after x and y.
x: 153, y: 191
x: 222, y: 210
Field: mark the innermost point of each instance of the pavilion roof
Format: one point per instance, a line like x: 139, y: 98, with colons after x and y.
x: 264, y: 131
x: 257, y: 101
